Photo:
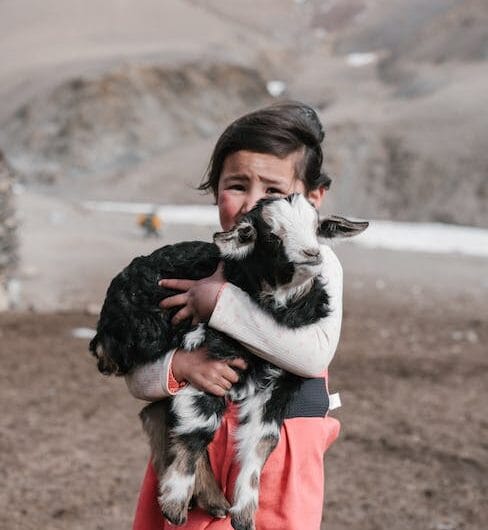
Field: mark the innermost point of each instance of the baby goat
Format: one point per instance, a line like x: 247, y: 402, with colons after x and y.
x: 272, y: 254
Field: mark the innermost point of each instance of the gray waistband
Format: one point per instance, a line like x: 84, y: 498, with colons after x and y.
x: 310, y: 401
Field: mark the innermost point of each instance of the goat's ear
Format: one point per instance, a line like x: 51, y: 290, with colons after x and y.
x: 106, y: 365
x: 336, y: 226
x: 238, y: 242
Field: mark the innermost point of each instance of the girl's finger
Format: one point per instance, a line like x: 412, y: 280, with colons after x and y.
x: 173, y: 301
x: 210, y: 387
x: 225, y: 384
x: 238, y: 363
x: 216, y: 390
x: 180, y: 285
x: 182, y: 314
x: 230, y: 375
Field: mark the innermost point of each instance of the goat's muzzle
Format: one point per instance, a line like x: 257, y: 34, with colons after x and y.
x: 310, y: 257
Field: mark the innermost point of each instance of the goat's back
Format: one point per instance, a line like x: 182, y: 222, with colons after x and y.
x: 132, y: 329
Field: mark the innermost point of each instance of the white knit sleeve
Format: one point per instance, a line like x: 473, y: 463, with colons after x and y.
x: 151, y: 381
x: 305, y: 351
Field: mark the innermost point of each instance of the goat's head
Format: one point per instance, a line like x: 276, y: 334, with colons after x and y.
x: 285, y: 231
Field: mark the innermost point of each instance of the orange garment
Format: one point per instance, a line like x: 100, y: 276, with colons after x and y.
x: 292, y: 482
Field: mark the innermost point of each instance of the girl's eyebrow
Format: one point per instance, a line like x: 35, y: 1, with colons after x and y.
x: 237, y: 176
x: 242, y: 176
x: 272, y: 180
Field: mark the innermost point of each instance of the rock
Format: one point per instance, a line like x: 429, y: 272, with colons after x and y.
x: 8, y: 233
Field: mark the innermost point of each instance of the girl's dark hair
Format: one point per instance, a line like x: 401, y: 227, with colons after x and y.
x: 278, y: 130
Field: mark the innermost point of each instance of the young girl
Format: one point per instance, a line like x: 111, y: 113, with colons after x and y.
x: 273, y: 151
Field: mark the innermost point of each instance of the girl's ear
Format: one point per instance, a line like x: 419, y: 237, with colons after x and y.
x: 316, y: 196
x: 238, y: 242
x: 336, y: 226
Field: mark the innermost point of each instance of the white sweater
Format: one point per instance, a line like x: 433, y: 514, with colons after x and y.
x: 305, y: 351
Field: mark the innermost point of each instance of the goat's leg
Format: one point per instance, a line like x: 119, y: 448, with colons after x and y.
x: 255, y: 440
x: 195, y: 417
x: 208, y: 495
x: 154, y: 423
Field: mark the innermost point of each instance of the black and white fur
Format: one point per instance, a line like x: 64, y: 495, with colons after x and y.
x: 273, y: 254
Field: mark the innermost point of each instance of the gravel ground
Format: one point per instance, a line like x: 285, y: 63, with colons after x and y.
x: 412, y: 453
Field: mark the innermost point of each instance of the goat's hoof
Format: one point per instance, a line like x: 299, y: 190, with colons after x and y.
x: 218, y: 512
x: 215, y: 505
x: 175, y: 512
x: 240, y: 522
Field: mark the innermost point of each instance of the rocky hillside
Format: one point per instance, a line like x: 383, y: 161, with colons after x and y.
x: 401, y: 85
x: 417, y: 151
x: 119, y: 119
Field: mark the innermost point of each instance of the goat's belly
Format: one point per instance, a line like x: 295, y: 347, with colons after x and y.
x: 262, y: 378
x: 302, y: 398
x: 242, y: 391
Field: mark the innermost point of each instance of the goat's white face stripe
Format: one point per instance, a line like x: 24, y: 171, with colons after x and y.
x: 230, y: 246
x: 295, y: 223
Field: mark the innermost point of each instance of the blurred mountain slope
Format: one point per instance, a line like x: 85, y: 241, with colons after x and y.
x: 115, y: 121
x: 434, y: 31
x: 104, y: 93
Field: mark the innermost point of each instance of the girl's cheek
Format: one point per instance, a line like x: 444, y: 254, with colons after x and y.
x: 228, y: 209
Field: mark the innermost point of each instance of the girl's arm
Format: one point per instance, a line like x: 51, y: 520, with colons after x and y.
x: 305, y: 351
x: 164, y: 377
x: 153, y: 381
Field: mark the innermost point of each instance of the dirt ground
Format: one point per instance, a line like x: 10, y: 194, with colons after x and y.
x: 411, y: 370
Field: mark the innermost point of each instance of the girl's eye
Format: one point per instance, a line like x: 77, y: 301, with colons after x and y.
x: 274, y: 191
x: 238, y: 187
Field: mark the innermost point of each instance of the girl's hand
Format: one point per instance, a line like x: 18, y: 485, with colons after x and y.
x: 202, y: 372
x: 199, y: 297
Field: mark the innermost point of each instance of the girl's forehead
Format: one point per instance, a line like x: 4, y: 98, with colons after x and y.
x: 260, y: 165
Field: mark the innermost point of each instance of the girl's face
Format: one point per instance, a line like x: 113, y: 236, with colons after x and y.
x: 247, y: 177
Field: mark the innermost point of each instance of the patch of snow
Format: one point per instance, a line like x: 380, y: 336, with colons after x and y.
x: 83, y: 333
x: 14, y: 291
x: 276, y: 88
x: 18, y: 188
x: 361, y: 59
x: 425, y: 237
x: 56, y: 218
x: 392, y: 235
x: 202, y: 215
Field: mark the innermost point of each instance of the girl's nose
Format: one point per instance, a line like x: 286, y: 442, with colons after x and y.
x: 251, y: 199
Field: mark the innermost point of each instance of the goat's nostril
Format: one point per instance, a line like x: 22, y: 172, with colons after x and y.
x: 311, y: 252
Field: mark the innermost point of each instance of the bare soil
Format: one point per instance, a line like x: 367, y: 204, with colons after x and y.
x: 412, y: 453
